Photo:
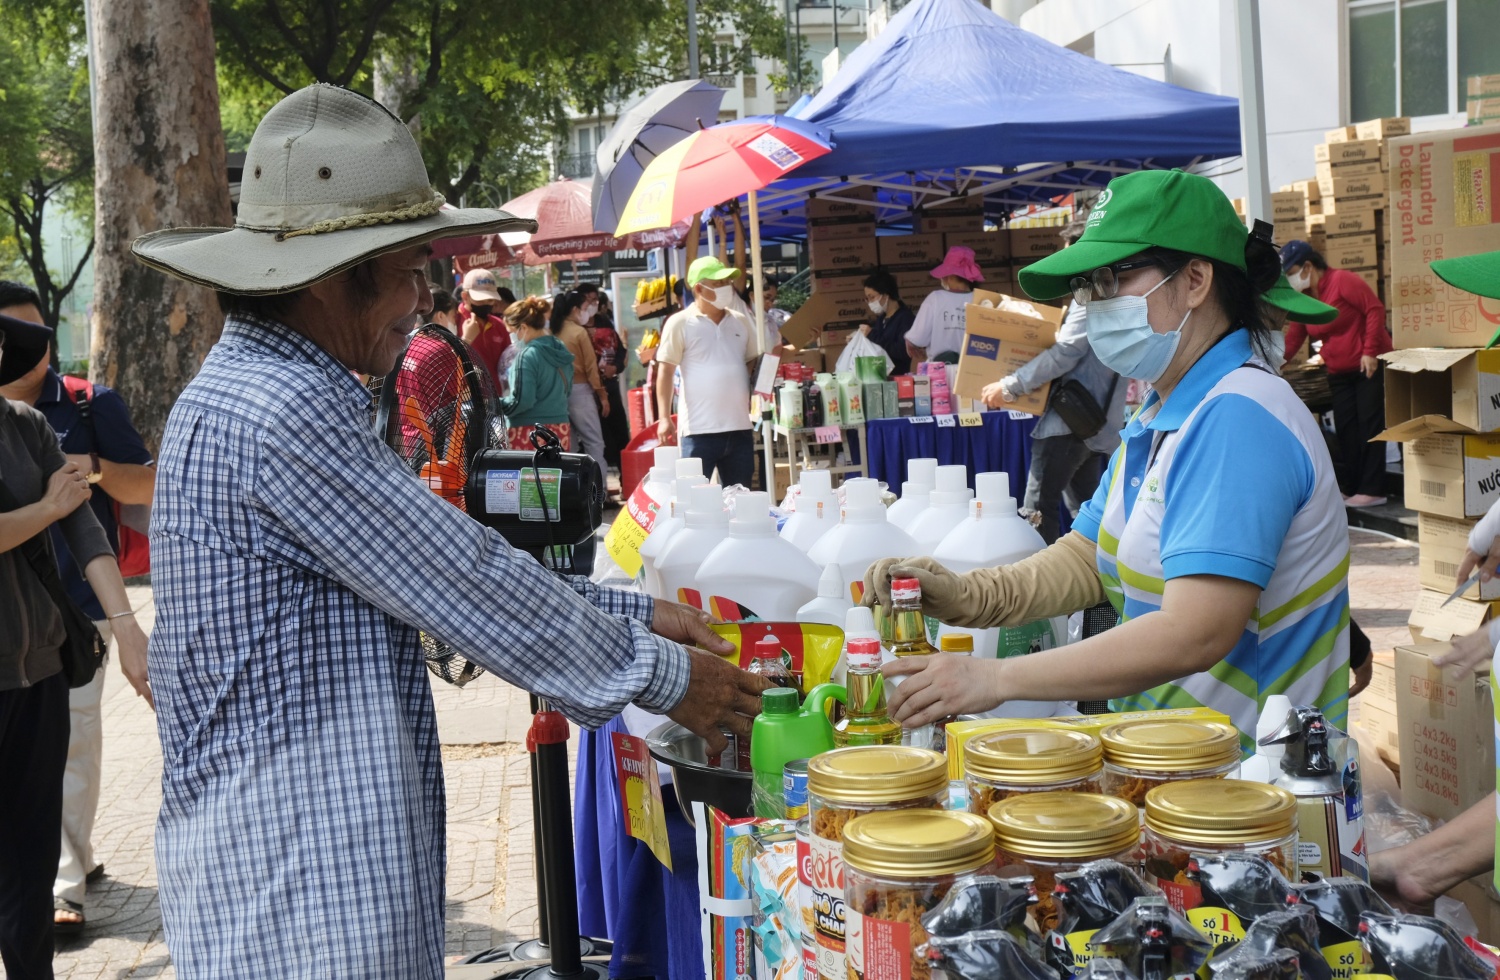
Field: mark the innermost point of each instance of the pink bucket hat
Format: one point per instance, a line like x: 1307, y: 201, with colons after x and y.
x: 959, y: 262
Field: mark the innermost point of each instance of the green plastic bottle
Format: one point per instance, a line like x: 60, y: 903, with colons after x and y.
x: 784, y: 732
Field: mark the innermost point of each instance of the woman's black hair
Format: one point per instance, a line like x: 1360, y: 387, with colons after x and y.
x: 563, y: 306
x: 883, y: 283
x: 14, y: 293
x: 442, y: 300
x: 1316, y: 258
x: 968, y: 283
x: 1238, y: 298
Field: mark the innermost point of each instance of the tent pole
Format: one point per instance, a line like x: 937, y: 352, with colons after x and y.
x: 1253, y: 110
x: 760, y: 279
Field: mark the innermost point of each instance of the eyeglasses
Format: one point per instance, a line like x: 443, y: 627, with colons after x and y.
x: 1104, y: 282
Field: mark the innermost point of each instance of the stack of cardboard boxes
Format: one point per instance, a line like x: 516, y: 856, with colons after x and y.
x: 1483, y: 99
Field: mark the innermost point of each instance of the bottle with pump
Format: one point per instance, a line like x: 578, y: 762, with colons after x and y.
x: 832, y: 602
x: 782, y: 733
x: 817, y: 510
x: 705, y: 524
x: 866, y: 719
x: 947, y: 506
x: 921, y: 474
x: 765, y: 574
x: 1321, y: 768
x: 862, y: 535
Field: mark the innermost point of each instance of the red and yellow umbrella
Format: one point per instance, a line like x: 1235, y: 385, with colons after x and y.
x: 716, y: 164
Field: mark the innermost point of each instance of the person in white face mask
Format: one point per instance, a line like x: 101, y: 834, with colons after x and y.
x: 1283, y: 301
x: 1351, y: 347
x: 1217, y: 532
x: 714, y: 347
x: 890, y: 319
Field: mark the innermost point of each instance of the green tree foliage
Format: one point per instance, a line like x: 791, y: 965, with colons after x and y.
x: 46, y: 142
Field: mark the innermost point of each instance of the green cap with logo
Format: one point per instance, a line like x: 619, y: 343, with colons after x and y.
x: 1151, y: 208
x: 710, y: 268
x: 1302, y: 307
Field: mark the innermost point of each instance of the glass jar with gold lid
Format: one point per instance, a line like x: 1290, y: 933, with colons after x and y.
x: 1041, y: 834
x: 842, y: 785
x: 898, y: 865
x: 1141, y: 755
x: 1215, y: 816
x: 1002, y: 764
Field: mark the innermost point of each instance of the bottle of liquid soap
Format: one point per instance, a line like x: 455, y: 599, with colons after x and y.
x: 817, y: 510
x: 704, y: 525
x: 668, y: 522
x: 921, y: 474
x: 947, y: 506
x: 866, y: 719
x: 767, y: 576
x: 862, y: 535
x: 832, y: 602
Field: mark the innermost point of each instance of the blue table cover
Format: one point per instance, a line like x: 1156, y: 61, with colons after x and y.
x: 1001, y: 443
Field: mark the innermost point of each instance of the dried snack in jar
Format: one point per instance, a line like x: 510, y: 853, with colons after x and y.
x: 1294, y: 929
x: 1255, y: 965
x: 982, y: 904
x: 985, y: 956
x: 1154, y: 940
x: 1001, y: 765
x: 1087, y: 900
x: 1419, y: 947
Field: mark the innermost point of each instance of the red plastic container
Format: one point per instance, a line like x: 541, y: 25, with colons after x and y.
x: 637, y: 457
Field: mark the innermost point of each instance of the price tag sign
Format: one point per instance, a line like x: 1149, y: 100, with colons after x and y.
x: 1019, y: 416
x: 828, y: 433
x: 767, y: 375
x: 947, y: 421
x: 921, y: 420
x: 968, y: 419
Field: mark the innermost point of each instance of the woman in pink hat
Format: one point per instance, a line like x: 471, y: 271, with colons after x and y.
x: 939, y: 327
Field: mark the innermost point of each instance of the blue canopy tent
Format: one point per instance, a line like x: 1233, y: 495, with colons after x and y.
x: 952, y: 100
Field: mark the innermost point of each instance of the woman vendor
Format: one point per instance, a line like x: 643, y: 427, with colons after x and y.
x: 1218, y: 531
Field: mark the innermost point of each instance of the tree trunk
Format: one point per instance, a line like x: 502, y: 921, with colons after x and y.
x: 159, y: 149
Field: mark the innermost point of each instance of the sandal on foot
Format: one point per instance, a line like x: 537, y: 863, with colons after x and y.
x: 66, y: 926
x: 94, y: 875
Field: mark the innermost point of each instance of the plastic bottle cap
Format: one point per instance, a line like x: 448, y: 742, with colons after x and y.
x: 767, y: 646
x: 819, y: 482
x: 922, y: 470
x: 665, y: 456
x: 779, y: 701
x: 952, y: 487
x: 863, y: 653
x: 689, y: 466
x: 915, y: 491
x: 905, y: 590
x: 956, y: 643
x: 994, y: 489
x: 706, y: 506
x: 862, y: 501
x: 831, y: 582
x: 858, y: 619
x: 752, y: 514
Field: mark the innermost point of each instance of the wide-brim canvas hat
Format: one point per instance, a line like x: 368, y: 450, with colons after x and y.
x: 1169, y: 209
x: 25, y: 344
x: 1302, y: 307
x: 331, y: 179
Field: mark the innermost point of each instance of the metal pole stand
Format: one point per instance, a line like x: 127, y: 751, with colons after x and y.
x: 559, y: 951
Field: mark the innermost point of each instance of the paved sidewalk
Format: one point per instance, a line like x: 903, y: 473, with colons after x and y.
x: 491, y: 895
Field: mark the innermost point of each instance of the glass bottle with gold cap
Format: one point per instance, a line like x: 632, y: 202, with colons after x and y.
x: 1013, y: 761
x: 1215, y: 816
x: 866, y: 719
x: 1041, y: 834
x: 845, y: 784
x: 1140, y: 755
x: 899, y: 866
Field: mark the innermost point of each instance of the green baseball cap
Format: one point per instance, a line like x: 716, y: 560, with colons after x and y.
x: 1302, y: 307
x: 1477, y: 274
x: 1162, y: 208
x: 709, y: 267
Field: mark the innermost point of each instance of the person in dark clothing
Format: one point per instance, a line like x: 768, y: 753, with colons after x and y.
x: 610, y: 350
x: 891, y: 319
x: 1352, y: 345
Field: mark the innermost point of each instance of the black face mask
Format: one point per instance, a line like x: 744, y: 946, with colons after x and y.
x: 481, y: 311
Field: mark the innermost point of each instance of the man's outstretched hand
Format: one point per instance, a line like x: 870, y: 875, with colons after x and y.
x: 688, y: 626
x: 719, y: 696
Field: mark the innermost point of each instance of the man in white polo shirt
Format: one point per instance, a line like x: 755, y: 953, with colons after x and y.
x: 713, y: 347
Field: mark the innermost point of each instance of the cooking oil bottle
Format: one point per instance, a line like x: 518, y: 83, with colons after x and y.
x: 867, y: 720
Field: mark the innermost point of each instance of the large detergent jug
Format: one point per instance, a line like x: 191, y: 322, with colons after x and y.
x: 658, y: 483
x: 770, y: 578
x: 862, y: 536
x: 705, y: 524
x: 668, y: 523
x: 994, y: 534
x: 921, y: 474
x: 832, y: 602
x: 817, y: 510
x: 784, y: 732
x: 947, y: 506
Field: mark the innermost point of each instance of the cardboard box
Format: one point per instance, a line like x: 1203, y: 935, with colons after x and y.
x: 922, y: 393
x: 1433, y: 622
x: 1338, y: 186
x: 842, y: 255
x: 874, y: 399
x: 1348, y: 151
x: 1349, y: 205
x: 1447, y: 734
x: 1371, y: 278
x: 822, y: 309
x: 829, y: 229
x: 1327, y: 172
x: 1431, y: 389
x: 1029, y: 244
x: 991, y: 248
x: 906, y: 395
x: 1285, y: 231
x: 846, y: 202
x: 946, y: 221
x: 809, y: 357
x: 999, y: 341
x: 1452, y: 475
x: 842, y: 286
x: 1441, y: 542
x: 1376, y: 707
x: 1483, y: 109
x: 1482, y: 86
x: 1307, y: 188
x: 1442, y: 205
x: 836, y: 336
x: 1352, y: 252
x: 1341, y: 135
x: 1383, y: 129
x: 1287, y: 206
x: 898, y: 251
x: 1353, y: 223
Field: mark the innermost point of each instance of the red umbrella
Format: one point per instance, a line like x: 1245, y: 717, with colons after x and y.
x: 563, y: 211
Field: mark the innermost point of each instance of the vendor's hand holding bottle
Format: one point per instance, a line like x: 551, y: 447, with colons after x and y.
x: 942, y: 686
x: 942, y: 590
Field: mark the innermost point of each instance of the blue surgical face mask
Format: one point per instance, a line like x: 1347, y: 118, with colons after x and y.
x: 1120, y: 334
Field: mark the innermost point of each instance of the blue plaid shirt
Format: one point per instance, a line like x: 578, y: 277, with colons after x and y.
x: 294, y: 560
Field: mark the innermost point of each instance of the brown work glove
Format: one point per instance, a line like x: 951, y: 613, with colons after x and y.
x: 943, y: 592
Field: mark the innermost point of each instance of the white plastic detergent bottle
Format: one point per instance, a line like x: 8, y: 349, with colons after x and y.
x: 863, y: 535
x: 947, y: 507
x: 993, y: 534
x: 831, y: 605
x: 769, y: 577
x: 659, y: 478
x: 921, y: 475
x: 668, y: 523
x: 705, y: 524
x: 817, y: 510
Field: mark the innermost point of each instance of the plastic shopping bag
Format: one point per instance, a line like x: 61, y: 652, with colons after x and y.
x: 862, y: 346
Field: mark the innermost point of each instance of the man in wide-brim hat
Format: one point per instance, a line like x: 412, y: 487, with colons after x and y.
x: 295, y: 559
